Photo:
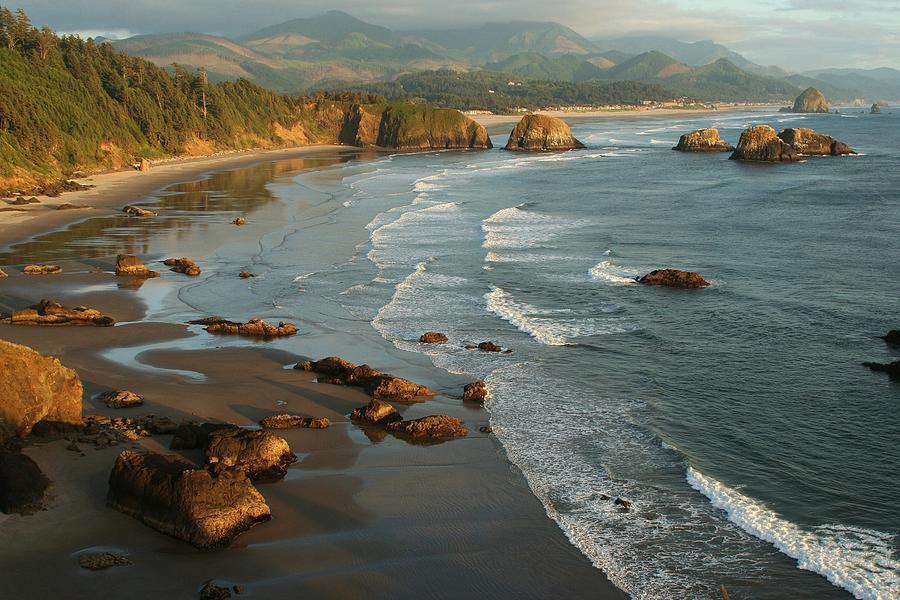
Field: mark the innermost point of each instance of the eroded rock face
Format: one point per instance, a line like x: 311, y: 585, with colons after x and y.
x: 381, y: 386
x: 541, y: 133
x: 674, y: 278
x: 253, y: 327
x: 207, y: 508
x: 48, y: 312
x: 762, y: 144
x: 376, y: 412
x: 433, y: 337
x: 22, y: 484
x: 262, y: 454
x: 183, y: 265
x: 810, y: 101
x: 807, y: 141
x: 703, y: 140
x: 475, y: 392
x: 892, y: 369
x: 433, y: 426
x: 35, y: 388
x: 120, y: 399
x: 42, y: 269
x: 294, y: 422
x: 132, y: 266
x: 137, y: 211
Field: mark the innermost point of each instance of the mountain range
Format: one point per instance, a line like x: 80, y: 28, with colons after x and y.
x: 337, y: 50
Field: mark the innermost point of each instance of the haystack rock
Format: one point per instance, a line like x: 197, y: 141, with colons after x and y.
x: 674, y: 278
x: 253, y: 327
x: 132, y: 266
x: 703, y: 140
x: 48, y: 312
x: 137, y: 211
x: 35, y: 388
x: 207, y: 508
x: 807, y: 141
x: 810, y: 101
x: 183, y: 265
x: 542, y: 133
x: 762, y: 144
x: 433, y: 426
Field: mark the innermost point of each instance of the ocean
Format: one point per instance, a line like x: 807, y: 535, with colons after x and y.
x: 755, y: 450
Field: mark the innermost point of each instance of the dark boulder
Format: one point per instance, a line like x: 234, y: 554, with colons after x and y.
x: 253, y: 327
x: 810, y: 142
x: 128, y: 265
x: 262, y: 454
x: 433, y: 337
x: 673, y: 278
x: 433, y: 427
x: 892, y: 369
x: 381, y: 386
x: 97, y: 561
x: 893, y: 337
x: 294, y: 422
x: 22, y: 484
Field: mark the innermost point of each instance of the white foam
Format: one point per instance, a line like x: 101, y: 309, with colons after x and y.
x: 514, y: 228
x: 613, y: 274
x: 655, y: 141
x: 858, y: 560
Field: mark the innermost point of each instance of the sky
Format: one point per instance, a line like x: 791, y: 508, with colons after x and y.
x: 795, y: 34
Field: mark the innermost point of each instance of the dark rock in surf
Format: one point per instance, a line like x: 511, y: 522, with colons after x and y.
x: 893, y: 337
x: 674, y: 278
x: 892, y: 369
x: 433, y: 337
x: 475, y: 392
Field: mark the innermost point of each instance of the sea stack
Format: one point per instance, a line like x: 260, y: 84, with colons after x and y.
x: 807, y: 141
x: 810, y: 101
x: 876, y: 108
x: 703, y: 140
x: 542, y: 133
x: 762, y: 144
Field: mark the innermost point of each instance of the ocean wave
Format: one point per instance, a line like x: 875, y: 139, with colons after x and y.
x: 614, y: 274
x: 858, y: 560
x: 657, y: 142
x: 515, y: 227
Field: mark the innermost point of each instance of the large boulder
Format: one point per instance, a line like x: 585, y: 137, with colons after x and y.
x: 22, y: 484
x: 35, y: 388
x: 376, y: 412
x: 541, y: 133
x: 433, y: 427
x: 433, y: 337
x: 262, y: 454
x: 673, y: 278
x: 810, y: 142
x: 761, y: 143
x: 703, y: 140
x: 810, y: 101
x: 128, y: 265
x: 475, y: 392
x: 381, y: 386
x: 207, y: 508
x: 48, y: 312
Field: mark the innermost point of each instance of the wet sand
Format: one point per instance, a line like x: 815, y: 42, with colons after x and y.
x: 361, y: 513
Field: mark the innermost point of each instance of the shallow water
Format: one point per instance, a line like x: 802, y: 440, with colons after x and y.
x: 736, y: 419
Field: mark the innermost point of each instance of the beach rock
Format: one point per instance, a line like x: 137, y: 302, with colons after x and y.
x: 213, y: 591
x: 433, y: 337
x: 42, y: 269
x: 807, y: 141
x: 253, y: 327
x: 893, y: 337
x: 892, y: 369
x: 183, y: 265
x: 486, y: 429
x: 137, y: 211
x: 475, y: 392
x: 433, y: 426
x: 762, y: 144
x: 810, y: 101
x: 262, y: 454
x: 673, y: 278
x: 144, y: 165
x: 246, y: 274
x: 240, y: 221
x: 22, y: 484
x: 97, y: 561
x: 207, y: 508
x: 703, y: 140
x: 486, y: 347
x: 376, y: 412
x: 132, y: 266
x: 381, y: 386
x: 69, y: 207
x: 541, y: 133
x: 120, y: 399
x: 35, y: 388
x: 48, y: 312
x: 294, y: 422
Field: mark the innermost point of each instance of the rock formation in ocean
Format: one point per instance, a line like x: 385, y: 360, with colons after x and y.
x: 703, y: 140
x: 433, y: 337
x: 376, y: 412
x: 35, y: 388
x: 286, y: 421
x: 810, y: 142
x: 207, y: 508
x: 432, y: 426
x: 137, y: 211
x: 48, y: 312
x: 132, y: 266
x: 892, y: 369
x: 22, y: 484
x: 475, y: 392
x: 42, y: 269
x: 876, y: 109
x: 183, y: 265
x: 262, y: 454
x: 673, y: 278
x: 486, y: 347
x: 381, y: 386
x: 541, y: 133
x: 810, y: 101
x: 761, y: 143
x: 253, y: 327
x: 246, y: 275
x: 892, y: 338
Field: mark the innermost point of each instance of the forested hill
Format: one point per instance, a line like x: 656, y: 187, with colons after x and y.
x: 70, y: 105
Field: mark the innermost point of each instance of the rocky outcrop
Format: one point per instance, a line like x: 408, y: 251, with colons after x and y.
x: 810, y: 101
x: 97, y: 561
x: 541, y: 133
x: 42, y: 269
x: 433, y: 427
x: 207, y: 508
x: 253, y: 327
x: 876, y: 109
x: 48, y: 312
x: 475, y: 392
x: 892, y: 369
x: 433, y: 337
x: 360, y: 128
x: 120, y: 399
x: 376, y: 412
x: 128, y: 265
x: 761, y: 143
x: 22, y: 484
x: 262, y: 454
x: 35, y: 388
x: 381, y: 386
x: 412, y: 127
x: 246, y: 274
x: 703, y: 140
x: 183, y: 265
x: 144, y: 165
x: 673, y: 278
x: 239, y: 221
x: 807, y: 141
x: 486, y: 347
x: 294, y: 422
x: 892, y: 338
x: 137, y: 211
